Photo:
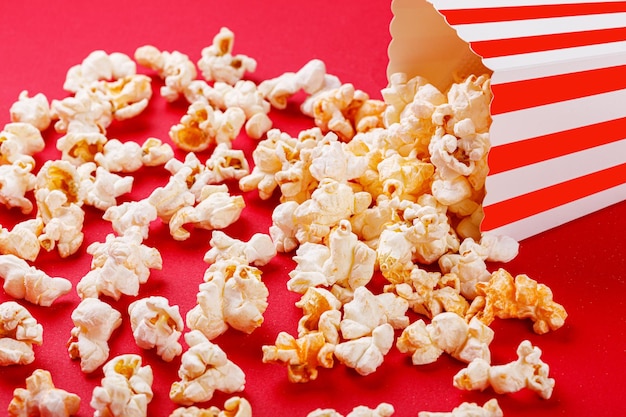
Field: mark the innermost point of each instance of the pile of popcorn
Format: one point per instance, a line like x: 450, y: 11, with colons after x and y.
x: 391, y: 187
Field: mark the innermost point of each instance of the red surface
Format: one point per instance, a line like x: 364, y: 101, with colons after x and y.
x: 583, y: 261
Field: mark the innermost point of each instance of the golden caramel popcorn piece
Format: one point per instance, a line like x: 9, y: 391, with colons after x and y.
x: 528, y: 371
x: 19, y: 331
x: 302, y: 356
x: 157, y: 324
x: 204, y: 369
x: 320, y: 312
x: 94, y: 323
x: 34, y: 110
x: 217, y: 63
x: 233, y: 407
x: 24, y: 281
x: 490, y: 409
x: 521, y: 297
x: 42, y: 398
x: 125, y: 390
x: 232, y: 294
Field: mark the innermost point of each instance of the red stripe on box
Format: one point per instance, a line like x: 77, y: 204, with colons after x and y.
x: 528, y: 44
x: 526, y: 205
x: 525, y: 94
x: 529, y: 151
x: 503, y: 14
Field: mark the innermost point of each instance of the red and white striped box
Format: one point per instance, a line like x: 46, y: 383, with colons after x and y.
x: 558, y: 77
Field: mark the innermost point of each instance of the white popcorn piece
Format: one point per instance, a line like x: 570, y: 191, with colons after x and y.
x: 301, y: 356
x: 129, y: 95
x: 283, y: 228
x: 320, y: 312
x: 175, y: 68
x: 404, y: 177
x: 119, y: 266
x: 490, y: 409
x: 94, y: 323
x: 81, y: 145
x: 22, y: 240
x: 366, y: 311
x: 154, y: 152
x: 98, y: 65
x: 63, y: 221
x: 16, y: 179
x: 173, y: 196
x: 19, y: 331
x: 367, y: 353
x: 217, y: 63
x: 468, y: 99
x: 447, y: 332
x: 86, y: 111
x: 203, y: 126
x: 499, y: 248
x: 204, y: 369
x: 34, y: 110
x: 116, y: 156
x: 125, y: 390
x: 157, y: 324
x: 528, y: 371
x: 131, y: 214
x: 259, y: 250
x: 469, y: 265
x: 217, y: 209
x: 331, y: 159
x: 233, y: 407
x: 245, y: 95
x: 381, y: 410
x: 23, y: 281
x: 346, y: 262
x: 19, y: 141
x: 369, y: 224
x: 232, y: 295
x: 102, y: 189
x: 42, y: 398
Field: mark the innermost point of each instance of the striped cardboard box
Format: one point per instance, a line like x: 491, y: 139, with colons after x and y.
x: 558, y: 72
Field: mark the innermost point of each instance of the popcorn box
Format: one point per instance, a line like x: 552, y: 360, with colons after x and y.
x: 558, y: 78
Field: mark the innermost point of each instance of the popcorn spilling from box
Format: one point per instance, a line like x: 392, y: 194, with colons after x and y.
x: 391, y: 188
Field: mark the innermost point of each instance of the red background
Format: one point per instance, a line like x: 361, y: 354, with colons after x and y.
x: 583, y: 261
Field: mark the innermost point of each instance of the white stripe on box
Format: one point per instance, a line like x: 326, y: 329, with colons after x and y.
x: 533, y: 177
x: 557, y: 117
x: 480, y: 4
x: 555, y: 62
x: 473, y: 32
x: 565, y: 213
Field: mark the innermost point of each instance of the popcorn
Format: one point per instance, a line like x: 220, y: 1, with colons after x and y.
x: 382, y: 410
x: 129, y: 95
x: 331, y: 159
x: 302, y: 356
x: 19, y: 331
x: 86, y: 111
x: 311, y: 78
x: 154, y: 152
x: 23, y: 240
x: 125, y: 390
x: 246, y: 96
x: 26, y: 282
x: 19, y: 141
x: 79, y: 146
x: 203, y: 126
x: 63, y: 221
x: 34, y: 110
x: 173, y: 196
x: 102, y: 189
x: 94, y: 323
x: 405, y: 178
x: 521, y: 297
x: 131, y: 214
x: 233, y: 407
x: 469, y: 98
x: 116, y: 156
x: 283, y: 228
x: 490, y: 409
x: 98, y: 65
x: 468, y: 265
x: 217, y: 62
x: 528, y: 371
x: 320, y: 311
x: 16, y: 179
x: 175, y: 68
x: 345, y: 262
x: 217, y: 209
x: 204, y: 369
x: 156, y: 324
x: 447, y: 332
x: 42, y: 398
x: 259, y: 250
x: 232, y: 294
x: 367, y: 353
x: 119, y: 266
